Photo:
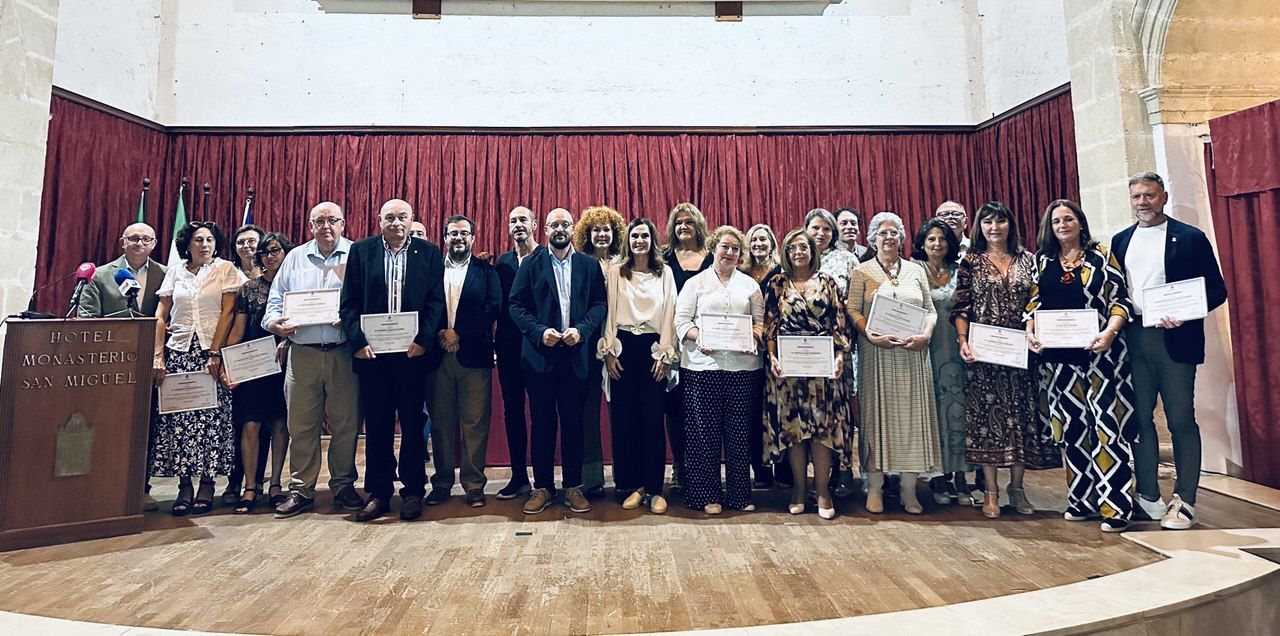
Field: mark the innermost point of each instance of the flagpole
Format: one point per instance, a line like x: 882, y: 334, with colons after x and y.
x: 247, y: 217
x: 142, y: 200
x: 204, y: 204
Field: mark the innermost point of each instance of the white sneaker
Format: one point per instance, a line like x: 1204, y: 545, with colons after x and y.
x: 1153, y: 509
x: 1179, y: 516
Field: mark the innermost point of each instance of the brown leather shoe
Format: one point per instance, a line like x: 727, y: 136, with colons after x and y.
x: 374, y: 509
x: 538, y: 500
x: 296, y: 504
x: 576, y: 500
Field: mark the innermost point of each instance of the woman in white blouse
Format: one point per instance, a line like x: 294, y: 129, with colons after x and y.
x: 719, y: 385
x: 193, y: 320
x: 637, y: 345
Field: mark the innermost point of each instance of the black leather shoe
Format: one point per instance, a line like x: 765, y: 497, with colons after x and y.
x: 294, y: 505
x: 374, y: 509
x: 411, y: 508
x: 514, y: 489
x: 475, y: 498
x: 438, y: 496
x: 348, y: 498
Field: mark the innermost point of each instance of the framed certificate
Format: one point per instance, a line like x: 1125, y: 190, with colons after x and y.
x: 892, y: 317
x: 314, y: 307
x: 192, y: 391
x: 1183, y: 300
x: 998, y: 345
x: 726, y: 332
x: 251, y: 360
x: 1066, y: 328
x: 390, y: 333
x: 807, y: 356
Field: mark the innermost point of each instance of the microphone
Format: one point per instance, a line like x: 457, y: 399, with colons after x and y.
x: 31, y: 313
x: 84, y: 275
x: 129, y: 288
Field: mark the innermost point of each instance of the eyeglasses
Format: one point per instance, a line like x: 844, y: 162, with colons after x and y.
x: 326, y: 221
x: 246, y: 242
x: 271, y: 252
x: 889, y: 234
x: 458, y: 234
x: 560, y: 225
x: 951, y: 214
x: 140, y: 240
x: 796, y: 249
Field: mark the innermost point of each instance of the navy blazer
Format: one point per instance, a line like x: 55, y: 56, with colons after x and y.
x: 478, y: 306
x: 535, y: 307
x: 1187, y: 254
x: 508, y: 339
x: 364, y: 290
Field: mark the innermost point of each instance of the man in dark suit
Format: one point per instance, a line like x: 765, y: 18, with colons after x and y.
x: 393, y: 273
x: 522, y: 226
x: 102, y: 297
x: 460, y: 385
x: 1158, y: 250
x: 558, y: 297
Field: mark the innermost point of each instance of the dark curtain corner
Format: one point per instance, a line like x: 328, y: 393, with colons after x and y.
x: 1244, y: 190
x: 96, y: 163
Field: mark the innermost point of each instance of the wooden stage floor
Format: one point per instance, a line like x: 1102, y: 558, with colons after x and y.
x: 464, y: 570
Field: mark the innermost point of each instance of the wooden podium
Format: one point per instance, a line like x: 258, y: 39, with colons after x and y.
x: 75, y: 408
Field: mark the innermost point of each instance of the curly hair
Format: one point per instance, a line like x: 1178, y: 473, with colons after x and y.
x: 182, y: 242
x: 719, y: 233
x: 594, y: 216
x: 700, y: 231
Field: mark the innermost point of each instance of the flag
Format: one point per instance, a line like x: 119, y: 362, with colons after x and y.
x: 247, y: 217
x: 179, y: 222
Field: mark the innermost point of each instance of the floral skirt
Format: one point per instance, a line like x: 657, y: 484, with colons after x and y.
x: 192, y: 443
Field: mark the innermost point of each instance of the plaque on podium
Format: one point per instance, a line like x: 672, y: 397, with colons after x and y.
x: 75, y: 408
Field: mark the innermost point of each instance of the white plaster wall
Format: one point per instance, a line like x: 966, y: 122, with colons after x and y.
x: 110, y: 51
x: 1024, y: 51
x: 283, y: 62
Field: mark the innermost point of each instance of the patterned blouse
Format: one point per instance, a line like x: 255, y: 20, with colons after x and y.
x: 252, y: 302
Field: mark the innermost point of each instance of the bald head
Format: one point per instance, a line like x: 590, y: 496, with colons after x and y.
x: 955, y: 216
x: 522, y: 225
x: 137, y: 241
x: 559, y: 228
x: 394, y: 220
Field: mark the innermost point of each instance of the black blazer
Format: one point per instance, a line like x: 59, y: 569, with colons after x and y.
x: 478, y: 306
x: 1187, y: 254
x: 535, y: 307
x: 364, y: 290
x: 508, y: 339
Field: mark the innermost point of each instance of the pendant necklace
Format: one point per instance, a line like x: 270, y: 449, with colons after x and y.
x: 893, y: 276
x: 1069, y: 268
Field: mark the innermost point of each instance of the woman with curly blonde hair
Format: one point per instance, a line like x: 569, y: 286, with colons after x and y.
x: 687, y: 254
x: 598, y: 233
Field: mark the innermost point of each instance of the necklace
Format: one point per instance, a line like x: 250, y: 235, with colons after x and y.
x: 1069, y: 267
x: 939, y: 276
x: 893, y: 275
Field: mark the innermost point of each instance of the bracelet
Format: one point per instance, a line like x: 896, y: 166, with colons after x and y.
x: 215, y: 354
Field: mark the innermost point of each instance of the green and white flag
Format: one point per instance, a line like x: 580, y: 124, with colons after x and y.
x: 179, y: 222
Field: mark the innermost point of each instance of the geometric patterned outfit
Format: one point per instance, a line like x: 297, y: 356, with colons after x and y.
x: 1087, y: 397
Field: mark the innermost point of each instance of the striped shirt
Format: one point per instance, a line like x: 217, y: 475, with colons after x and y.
x: 393, y: 264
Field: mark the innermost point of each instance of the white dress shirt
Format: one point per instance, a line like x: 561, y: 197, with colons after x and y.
x: 705, y: 294
x: 304, y: 269
x: 1144, y: 262
x: 563, y: 270
x: 454, y: 276
x: 197, y: 301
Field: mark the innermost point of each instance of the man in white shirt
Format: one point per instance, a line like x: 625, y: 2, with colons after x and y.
x: 318, y: 379
x: 459, y: 384
x: 955, y: 216
x: 1158, y: 250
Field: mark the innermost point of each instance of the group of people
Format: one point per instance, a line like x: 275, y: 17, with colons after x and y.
x: 610, y: 309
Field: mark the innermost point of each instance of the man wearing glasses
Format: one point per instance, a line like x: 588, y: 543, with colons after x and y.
x: 955, y: 216
x: 102, y: 298
x: 318, y: 377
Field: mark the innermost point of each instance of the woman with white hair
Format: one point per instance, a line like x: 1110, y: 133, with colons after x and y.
x: 899, y: 418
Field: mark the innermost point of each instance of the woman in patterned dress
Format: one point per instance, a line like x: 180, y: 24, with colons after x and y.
x: 1001, y: 413
x: 808, y: 419
x: 937, y: 249
x: 899, y: 420
x: 260, y: 402
x: 196, y: 302
x: 1088, y: 391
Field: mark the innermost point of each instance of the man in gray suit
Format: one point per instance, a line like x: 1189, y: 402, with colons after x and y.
x: 102, y: 297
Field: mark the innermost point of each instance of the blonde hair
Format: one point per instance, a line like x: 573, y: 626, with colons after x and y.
x: 750, y: 262
x: 592, y: 217
x: 719, y: 233
x: 699, y: 225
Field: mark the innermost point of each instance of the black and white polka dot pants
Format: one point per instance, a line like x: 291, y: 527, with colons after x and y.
x: 717, y: 421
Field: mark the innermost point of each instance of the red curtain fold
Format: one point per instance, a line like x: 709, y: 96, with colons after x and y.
x: 1247, y: 225
x: 96, y: 162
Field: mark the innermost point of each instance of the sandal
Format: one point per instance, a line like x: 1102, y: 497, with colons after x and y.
x: 277, y: 498
x: 182, y: 505
x: 203, y: 504
x: 246, y: 502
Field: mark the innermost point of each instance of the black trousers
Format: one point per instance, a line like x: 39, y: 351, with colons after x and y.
x: 555, y: 402
x: 635, y: 414
x: 675, y: 424
x: 391, y: 385
x: 511, y: 379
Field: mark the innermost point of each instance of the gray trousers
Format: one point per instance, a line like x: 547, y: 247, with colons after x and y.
x: 459, y: 400
x: 1156, y: 374
x: 319, y: 383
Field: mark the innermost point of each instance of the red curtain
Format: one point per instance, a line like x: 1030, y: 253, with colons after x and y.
x: 1244, y: 187
x: 96, y: 162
